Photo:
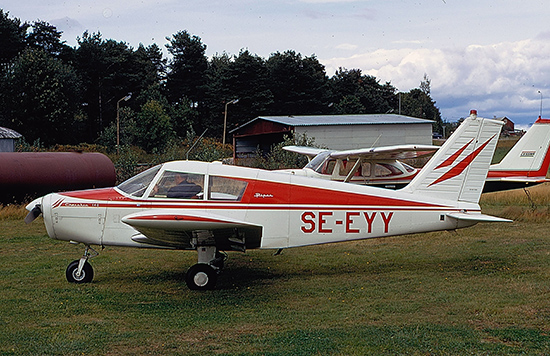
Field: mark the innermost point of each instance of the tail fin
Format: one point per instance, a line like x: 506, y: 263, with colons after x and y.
x: 458, y: 169
x: 530, y: 156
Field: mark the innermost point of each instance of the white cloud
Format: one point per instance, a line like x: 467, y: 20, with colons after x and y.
x: 347, y: 46
x: 498, y: 79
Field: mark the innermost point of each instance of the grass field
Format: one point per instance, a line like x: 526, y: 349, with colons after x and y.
x: 478, y: 291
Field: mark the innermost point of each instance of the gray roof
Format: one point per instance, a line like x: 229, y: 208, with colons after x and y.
x: 8, y: 133
x: 329, y: 120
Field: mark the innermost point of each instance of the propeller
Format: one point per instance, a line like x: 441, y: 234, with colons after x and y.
x: 33, y: 213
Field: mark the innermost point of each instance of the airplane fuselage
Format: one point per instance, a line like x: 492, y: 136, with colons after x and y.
x: 290, y: 211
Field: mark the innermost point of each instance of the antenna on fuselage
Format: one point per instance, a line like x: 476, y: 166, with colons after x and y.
x: 540, y: 114
x: 193, y: 146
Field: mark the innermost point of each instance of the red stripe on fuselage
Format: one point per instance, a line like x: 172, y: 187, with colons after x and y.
x: 258, y: 192
x: 106, y: 194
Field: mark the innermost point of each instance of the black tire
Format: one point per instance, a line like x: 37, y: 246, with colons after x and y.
x: 201, y: 277
x: 86, y: 275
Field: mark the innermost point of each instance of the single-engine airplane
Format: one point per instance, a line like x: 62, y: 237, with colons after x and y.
x: 216, y: 207
x: 526, y: 164
x: 377, y: 166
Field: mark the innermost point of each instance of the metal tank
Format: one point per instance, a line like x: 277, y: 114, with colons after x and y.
x: 27, y: 175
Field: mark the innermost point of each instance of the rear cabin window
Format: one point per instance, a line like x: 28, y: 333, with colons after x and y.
x: 223, y: 188
x: 365, y: 169
x: 346, y: 167
x: 385, y: 170
x: 179, y: 185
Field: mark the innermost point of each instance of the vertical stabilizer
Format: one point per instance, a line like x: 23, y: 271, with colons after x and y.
x: 458, y: 169
x: 530, y: 156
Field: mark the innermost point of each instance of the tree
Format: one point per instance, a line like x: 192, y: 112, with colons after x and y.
x: 299, y: 85
x: 45, y: 36
x: 154, y: 127
x: 44, y: 99
x: 109, y: 71
x: 246, y: 79
x: 186, y: 76
x: 355, y: 93
x: 418, y: 103
x: 12, y: 38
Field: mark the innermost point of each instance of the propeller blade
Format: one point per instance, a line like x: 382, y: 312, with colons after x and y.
x: 33, y: 214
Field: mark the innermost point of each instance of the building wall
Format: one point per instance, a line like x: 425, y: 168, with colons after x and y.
x: 7, y: 145
x: 343, y: 137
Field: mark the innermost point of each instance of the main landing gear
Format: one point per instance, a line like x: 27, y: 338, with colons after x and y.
x: 204, y: 274
x: 81, y: 271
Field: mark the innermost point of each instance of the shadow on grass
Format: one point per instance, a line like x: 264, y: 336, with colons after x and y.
x: 231, y: 277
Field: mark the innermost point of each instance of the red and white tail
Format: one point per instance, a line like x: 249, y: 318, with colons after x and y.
x: 529, y: 158
x: 458, y: 169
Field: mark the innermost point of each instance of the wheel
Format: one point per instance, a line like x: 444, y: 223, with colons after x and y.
x: 86, y: 275
x: 201, y: 277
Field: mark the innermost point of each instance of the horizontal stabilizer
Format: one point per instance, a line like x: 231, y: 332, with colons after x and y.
x: 477, y: 217
x: 525, y: 179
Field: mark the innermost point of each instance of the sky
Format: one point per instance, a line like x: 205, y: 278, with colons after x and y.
x: 492, y: 56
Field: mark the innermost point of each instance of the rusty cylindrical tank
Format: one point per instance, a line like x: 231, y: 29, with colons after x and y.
x: 27, y: 175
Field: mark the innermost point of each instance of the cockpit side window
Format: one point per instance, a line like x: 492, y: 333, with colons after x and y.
x: 137, y: 185
x: 317, y: 162
x: 180, y: 185
x: 223, y: 188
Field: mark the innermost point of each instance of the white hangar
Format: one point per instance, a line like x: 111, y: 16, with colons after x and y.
x: 338, y: 132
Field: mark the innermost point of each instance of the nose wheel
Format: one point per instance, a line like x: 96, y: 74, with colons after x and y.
x: 85, y: 275
x: 81, y: 271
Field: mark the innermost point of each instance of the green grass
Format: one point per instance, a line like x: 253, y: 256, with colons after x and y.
x: 477, y: 291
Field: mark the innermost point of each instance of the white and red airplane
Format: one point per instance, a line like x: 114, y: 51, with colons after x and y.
x: 526, y: 164
x: 218, y: 207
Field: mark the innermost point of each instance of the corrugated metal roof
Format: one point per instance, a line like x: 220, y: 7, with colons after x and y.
x: 8, y: 133
x: 330, y: 120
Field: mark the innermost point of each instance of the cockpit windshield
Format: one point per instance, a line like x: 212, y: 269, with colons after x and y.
x: 137, y: 185
x: 318, y: 161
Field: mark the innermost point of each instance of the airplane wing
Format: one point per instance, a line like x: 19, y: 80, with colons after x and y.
x: 307, y: 151
x: 387, y: 152
x: 182, y: 230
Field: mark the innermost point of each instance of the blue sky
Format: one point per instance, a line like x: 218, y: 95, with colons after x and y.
x: 493, y: 56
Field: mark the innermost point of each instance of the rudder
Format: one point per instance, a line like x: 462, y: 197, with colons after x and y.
x: 459, y: 168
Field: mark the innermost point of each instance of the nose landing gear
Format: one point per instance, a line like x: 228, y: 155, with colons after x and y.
x: 81, y: 271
